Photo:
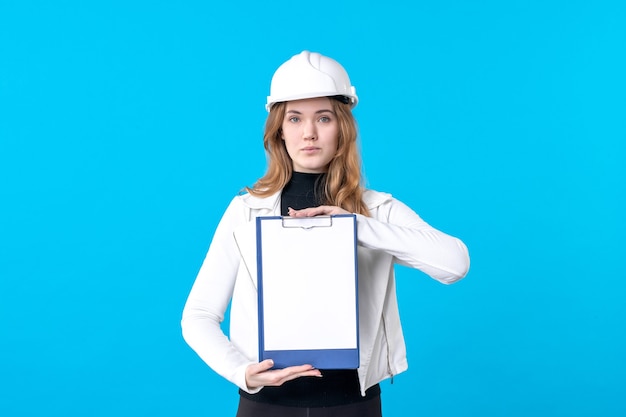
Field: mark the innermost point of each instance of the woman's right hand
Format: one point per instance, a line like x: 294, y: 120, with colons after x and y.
x: 260, y: 375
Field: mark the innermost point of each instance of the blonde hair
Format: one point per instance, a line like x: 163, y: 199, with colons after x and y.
x: 342, y: 182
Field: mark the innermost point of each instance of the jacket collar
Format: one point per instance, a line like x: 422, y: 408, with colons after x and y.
x: 267, y: 203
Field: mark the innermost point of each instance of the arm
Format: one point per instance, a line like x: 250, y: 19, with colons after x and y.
x: 208, y: 300
x: 205, y: 309
x: 399, y: 231
x: 414, y: 243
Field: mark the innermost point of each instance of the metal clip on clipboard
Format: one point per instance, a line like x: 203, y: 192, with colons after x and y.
x: 307, y: 222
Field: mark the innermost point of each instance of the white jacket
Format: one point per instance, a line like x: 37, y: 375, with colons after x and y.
x: 393, y: 234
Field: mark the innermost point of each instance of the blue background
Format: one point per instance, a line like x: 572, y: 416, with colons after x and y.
x: 127, y: 127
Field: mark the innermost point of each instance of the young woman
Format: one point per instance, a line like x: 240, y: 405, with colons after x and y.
x: 313, y: 169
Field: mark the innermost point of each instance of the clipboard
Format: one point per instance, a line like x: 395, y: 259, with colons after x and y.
x: 307, y: 276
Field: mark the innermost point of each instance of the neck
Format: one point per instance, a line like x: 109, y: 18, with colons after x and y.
x: 302, y: 191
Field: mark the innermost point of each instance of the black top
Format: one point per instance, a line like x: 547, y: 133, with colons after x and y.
x: 302, y: 191
x: 337, y: 386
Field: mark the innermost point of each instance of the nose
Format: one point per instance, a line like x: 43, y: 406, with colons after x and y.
x: 309, y: 131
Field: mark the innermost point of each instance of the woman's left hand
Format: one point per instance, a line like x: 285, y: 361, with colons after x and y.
x: 317, y: 211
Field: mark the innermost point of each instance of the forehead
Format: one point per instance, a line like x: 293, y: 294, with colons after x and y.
x: 309, y: 105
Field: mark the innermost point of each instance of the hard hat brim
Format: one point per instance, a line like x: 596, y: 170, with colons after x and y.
x: 352, y: 99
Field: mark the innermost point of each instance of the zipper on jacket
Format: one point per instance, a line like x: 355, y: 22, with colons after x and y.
x: 388, y: 349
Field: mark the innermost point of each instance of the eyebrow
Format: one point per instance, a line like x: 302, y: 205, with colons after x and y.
x: 317, y: 112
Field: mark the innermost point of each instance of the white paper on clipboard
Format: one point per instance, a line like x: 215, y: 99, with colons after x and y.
x: 307, y: 277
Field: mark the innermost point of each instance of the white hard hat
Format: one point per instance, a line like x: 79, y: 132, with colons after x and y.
x: 309, y: 75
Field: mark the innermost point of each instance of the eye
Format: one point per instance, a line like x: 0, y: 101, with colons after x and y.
x: 294, y: 119
x: 324, y: 119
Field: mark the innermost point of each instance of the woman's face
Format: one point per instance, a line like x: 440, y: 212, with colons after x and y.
x: 310, y: 131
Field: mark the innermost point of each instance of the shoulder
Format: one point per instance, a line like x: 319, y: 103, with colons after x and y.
x: 374, y: 199
x: 244, y: 207
x: 383, y: 206
x: 253, y: 202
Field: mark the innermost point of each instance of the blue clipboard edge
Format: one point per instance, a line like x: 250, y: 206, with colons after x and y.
x: 320, y: 359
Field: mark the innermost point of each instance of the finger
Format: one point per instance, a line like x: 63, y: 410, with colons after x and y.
x: 328, y: 210
x: 316, y: 211
x: 265, y: 365
x: 260, y: 367
x: 296, y: 213
x: 312, y: 373
x: 299, y: 213
x: 298, y: 369
x: 310, y: 212
x: 279, y: 377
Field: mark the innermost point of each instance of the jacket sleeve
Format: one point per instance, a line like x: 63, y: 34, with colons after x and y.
x: 209, y: 297
x: 399, y: 231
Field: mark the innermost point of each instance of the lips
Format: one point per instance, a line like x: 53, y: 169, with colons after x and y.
x: 310, y: 149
